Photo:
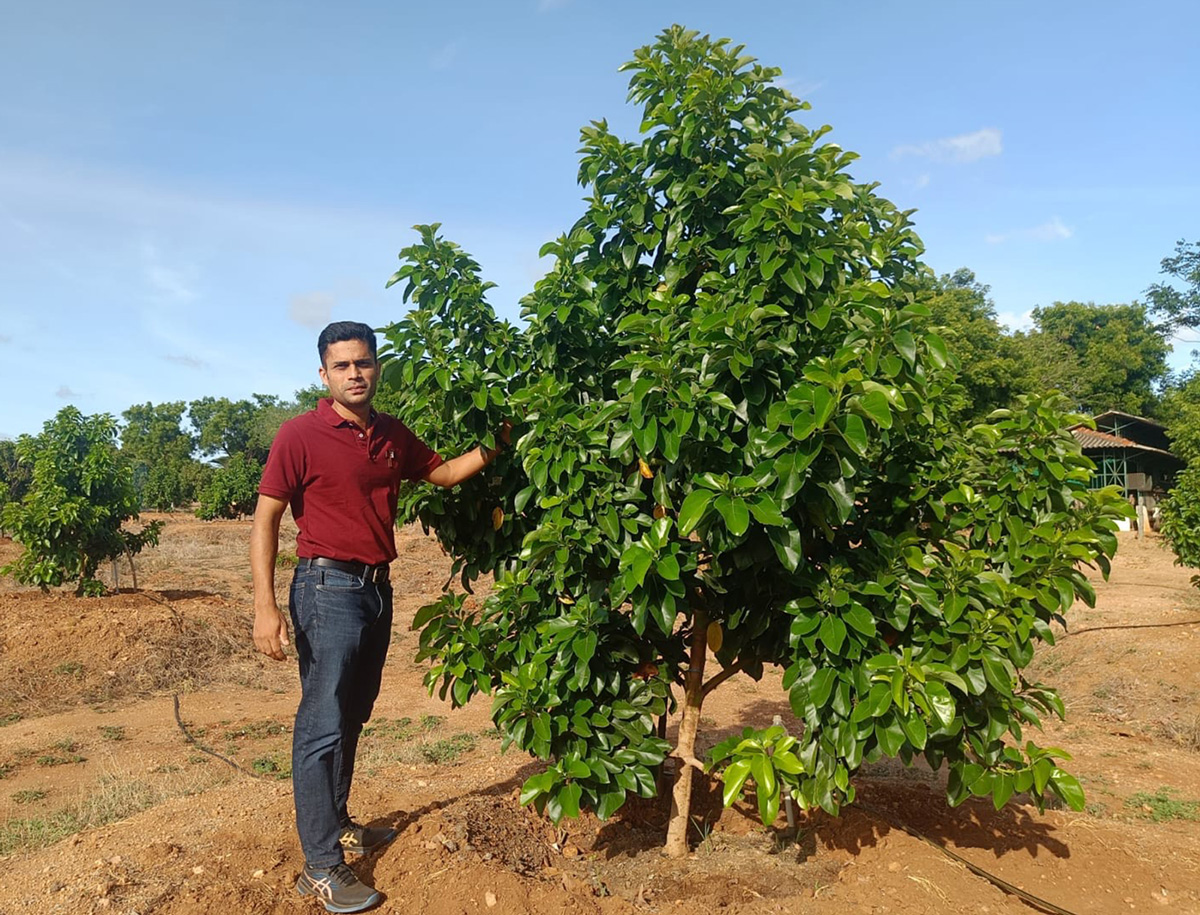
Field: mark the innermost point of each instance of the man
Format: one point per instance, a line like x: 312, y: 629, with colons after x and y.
x: 339, y: 467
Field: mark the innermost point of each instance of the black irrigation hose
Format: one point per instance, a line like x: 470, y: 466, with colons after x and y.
x: 202, y: 748
x: 1029, y: 898
x: 1134, y: 626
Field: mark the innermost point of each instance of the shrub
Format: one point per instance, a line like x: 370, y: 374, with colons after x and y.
x: 81, y: 493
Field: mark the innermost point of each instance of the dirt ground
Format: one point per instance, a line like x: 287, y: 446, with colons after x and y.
x: 106, y: 806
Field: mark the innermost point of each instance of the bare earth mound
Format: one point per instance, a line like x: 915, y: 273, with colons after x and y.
x: 107, y: 806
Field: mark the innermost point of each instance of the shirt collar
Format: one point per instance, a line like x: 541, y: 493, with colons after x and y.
x: 326, y: 411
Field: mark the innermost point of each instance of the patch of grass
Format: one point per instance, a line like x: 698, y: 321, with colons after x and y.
x: 448, y: 749
x: 257, y: 730
x: 11, y: 718
x: 70, y: 669
x: 1162, y: 806
x: 111, y: 732
x: 197, y: 759
x: 28, y: 796
x: 272, y: 766
x: 113, y: 799
x: 64, y: 753
x: 432, y: 722
x: 390, y: 729
x: 6, y: 769
x: 286, y: 560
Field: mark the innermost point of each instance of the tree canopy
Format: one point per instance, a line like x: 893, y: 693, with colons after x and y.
x: 736, y: 433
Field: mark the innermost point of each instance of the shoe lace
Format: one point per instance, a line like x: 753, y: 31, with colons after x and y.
x: 342, y: 875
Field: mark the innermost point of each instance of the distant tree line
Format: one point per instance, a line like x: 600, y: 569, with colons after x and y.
x: 209, y: 452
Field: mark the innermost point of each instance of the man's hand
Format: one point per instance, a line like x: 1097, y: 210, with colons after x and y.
x: 271, y: 633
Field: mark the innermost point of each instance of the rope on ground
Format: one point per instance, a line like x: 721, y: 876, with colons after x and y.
x: 188, y: 736
x: 975, y: 869
x: 202, y: 748
x: 1133, y: 626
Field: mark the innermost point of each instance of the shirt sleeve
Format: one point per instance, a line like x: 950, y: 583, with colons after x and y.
x: 419, y: 458
x: 284, y: 472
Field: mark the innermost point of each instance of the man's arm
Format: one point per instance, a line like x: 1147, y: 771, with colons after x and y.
x: 465, y: 466
x: 270, y: 626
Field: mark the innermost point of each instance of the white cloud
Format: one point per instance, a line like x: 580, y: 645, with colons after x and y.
x: 797, y: 86
x: 921, y: 181
x: 65, y: 393
x: 167, y: 283
x: 188, y: 362
x: 967, y: 147
x: 1049, y: 231
x: 311, y: 309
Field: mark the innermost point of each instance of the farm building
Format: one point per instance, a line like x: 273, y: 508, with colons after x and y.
x: 1131, y: 452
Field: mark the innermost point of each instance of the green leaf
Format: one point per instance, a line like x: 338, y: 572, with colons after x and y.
x: 735, y: 513
x: 766, y: 511
x: 854, y: 431
x: 733, y: 778
x: 1068, y: 788
x: 833, y: 633
x: 693, y: 508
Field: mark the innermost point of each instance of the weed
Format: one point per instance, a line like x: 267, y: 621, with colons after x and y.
x: 196, y: 759
x: 389, y: 729
x: 257, y: 730
x: 111, y: 732
x: 6, y: 769
x: 286, y: 560
x: 165, y: 769
x: 70, y: 669
x: 1144, y: 764
x: 1162, y: 806
x: 431, y: 722
x: 113, y: 799
x: 447, y: 749
x: 704, y: 833
x: 29, y: 796
x: 10, y: 718
x: 272, y: 767
x: 67, y: 753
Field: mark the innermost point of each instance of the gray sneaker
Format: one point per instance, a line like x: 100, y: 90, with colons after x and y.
x: 338, y: 888
x: 361, y: 840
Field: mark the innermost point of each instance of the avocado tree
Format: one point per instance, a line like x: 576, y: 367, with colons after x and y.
x: 80, y: 495
x: 734, y: 438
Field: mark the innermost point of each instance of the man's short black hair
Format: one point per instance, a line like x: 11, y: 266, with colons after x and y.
x: 340, y: 331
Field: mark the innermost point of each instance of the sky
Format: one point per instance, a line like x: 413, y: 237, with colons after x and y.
x: 190, y: 191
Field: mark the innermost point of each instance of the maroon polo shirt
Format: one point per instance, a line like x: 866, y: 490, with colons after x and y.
x: 342, y: 481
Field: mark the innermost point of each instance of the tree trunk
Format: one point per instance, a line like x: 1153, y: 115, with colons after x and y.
x: 681, y: 798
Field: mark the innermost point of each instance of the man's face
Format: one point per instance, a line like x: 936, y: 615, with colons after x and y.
x: 350, y: 373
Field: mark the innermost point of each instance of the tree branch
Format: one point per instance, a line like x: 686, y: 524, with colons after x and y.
x: 722, y: 677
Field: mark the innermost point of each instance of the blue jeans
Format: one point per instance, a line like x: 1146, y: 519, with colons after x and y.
x: 341, y: 628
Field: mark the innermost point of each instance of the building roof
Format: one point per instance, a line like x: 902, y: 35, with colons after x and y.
x: 1093, y: 439
x: 1099, y: 418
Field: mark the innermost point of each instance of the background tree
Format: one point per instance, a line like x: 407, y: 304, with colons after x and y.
x: 1178, y: 307
x: 737, y: 435
x: 1120, y: 356
x: 989, y: 360
x: 1180, y: 519
x: 154, y: 441
x: 231, y: 490
x: 81, y: 494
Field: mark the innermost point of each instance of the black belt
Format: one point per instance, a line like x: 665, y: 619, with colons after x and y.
x: 377, y: 574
